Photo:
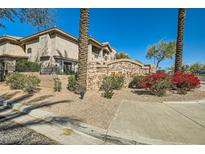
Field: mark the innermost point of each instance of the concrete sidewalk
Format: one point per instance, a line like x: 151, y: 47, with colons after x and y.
x: 62, y: 135
x: 160, y: 123
x: 61, y: 129
x: 134, y: 123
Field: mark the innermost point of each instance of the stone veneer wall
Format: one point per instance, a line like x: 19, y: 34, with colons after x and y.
x: 126, y: 67
x: 96, y: 73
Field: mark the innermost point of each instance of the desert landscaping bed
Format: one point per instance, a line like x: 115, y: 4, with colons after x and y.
x: 93, y: 109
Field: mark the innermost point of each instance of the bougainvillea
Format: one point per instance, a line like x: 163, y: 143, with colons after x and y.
x: 185, y: 81
x: 151, y: 79
x: 160, y: 82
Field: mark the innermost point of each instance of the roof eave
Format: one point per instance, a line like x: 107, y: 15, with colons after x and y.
x: 55, y: 30
x: 13, y: 56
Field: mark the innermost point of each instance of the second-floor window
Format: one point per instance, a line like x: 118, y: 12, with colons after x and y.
x: 29, y: 50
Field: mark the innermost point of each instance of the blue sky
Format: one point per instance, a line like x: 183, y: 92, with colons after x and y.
x: 131, y: 30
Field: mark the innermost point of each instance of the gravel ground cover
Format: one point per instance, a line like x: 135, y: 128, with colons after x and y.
x: 9, y: 135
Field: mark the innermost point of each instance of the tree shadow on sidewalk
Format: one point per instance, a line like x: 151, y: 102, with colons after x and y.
x: 38, y: 99
x: 19, y: 100
x: 27, y: 110
x: 56, y: 119
x: 40, y: 102
x: 8, y: 95
x: 62, y: 120
x: 10, y: 103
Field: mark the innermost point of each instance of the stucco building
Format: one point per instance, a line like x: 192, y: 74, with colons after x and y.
x: 52, y: 48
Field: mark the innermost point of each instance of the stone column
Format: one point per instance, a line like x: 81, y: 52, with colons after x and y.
x: 101, y: 56
x: 89, y: 53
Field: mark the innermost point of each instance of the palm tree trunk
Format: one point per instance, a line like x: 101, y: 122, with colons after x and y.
x: 83, y: 48
x: 180, y: 38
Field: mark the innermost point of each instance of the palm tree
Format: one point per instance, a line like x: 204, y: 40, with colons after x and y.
x: 83, y: 49
x: 180, y: 37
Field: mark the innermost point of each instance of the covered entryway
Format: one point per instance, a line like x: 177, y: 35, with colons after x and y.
x: 10, y: 51
x: 7, y: 65
x: 66, y: 65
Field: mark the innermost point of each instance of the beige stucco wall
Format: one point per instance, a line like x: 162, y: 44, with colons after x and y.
x: 68, y: 48
x: 7, y: 48
x: 57, y: 45
x: 39, y: 48
x: 3, y: 48
x: 34, y: 46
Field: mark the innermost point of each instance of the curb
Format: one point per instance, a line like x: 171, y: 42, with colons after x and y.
x: 78, y: 127
x: 83, y: 128
x: 201, y: 101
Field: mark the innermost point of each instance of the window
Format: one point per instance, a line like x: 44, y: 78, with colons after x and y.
x: 29, y: 50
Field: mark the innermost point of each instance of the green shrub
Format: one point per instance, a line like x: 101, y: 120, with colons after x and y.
x: 27, y: 66
x: 181, y: 91
x: 72, y: 83
x: 135, y: 82
x: 110, y: 83
x: 69, y: 72
x: 57, y: 84
x: 160, y: 87
x: 16, y: 81
x: 28, y: 83
x: 108, y: 94
x: 31, y: 83
x: 75, y: 87
x: 107, y: 87
x: 117, y: 81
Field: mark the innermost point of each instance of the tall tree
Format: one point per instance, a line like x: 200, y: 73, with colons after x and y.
x: 42, y: 18
x: 122, y: 55
x: 37, y: 17
x: 83, y: 48
x: 196, y: 67
x: 161, y: 51
x: 180, y: 39
x: 7, y: 14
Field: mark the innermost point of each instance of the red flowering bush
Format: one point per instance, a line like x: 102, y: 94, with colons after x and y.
x: 159, y: 83
x: 151, y: 79
x: 184, y: 82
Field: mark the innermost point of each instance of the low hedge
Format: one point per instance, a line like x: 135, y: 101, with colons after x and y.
x: 110, y: 83
x: 135, y: 83
x: 159, y: 83
x: 27, y: 66
x: 28, y: 83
